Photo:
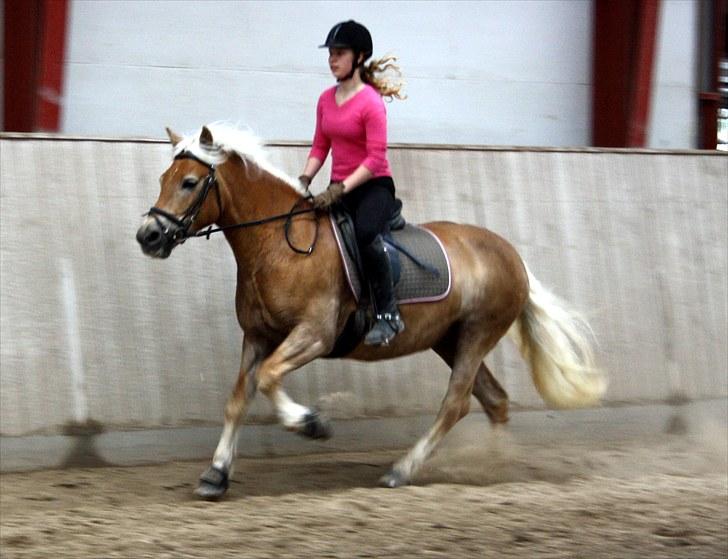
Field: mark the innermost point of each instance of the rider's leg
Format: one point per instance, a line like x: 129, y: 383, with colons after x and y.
x: 371, y: 205
x: 388, y: 321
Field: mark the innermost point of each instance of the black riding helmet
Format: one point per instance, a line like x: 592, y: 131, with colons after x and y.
x: 350, y: 35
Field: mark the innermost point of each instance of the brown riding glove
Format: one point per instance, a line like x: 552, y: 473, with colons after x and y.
x: 305, y: 181
x: 329, y: 196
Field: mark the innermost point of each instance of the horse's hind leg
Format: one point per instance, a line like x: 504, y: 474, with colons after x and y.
x: 471, y: 348
x: 491, y: 395
x: 486, y: 389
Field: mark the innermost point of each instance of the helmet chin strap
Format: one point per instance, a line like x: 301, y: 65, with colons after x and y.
x: 354, y: 67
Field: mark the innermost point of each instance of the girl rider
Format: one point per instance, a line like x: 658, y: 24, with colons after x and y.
x: 351, y: 121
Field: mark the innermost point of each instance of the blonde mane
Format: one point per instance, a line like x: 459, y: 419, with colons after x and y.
x: 229, y: 139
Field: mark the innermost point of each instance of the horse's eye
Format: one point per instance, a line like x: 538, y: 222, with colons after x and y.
x: 189, y: 184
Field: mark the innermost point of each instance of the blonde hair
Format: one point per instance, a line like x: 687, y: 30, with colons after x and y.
x: 388, y: 86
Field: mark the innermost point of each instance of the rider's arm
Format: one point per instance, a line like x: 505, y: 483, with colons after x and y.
x: 319, y: 147
x: 313, y: 165
x: 360, y: 175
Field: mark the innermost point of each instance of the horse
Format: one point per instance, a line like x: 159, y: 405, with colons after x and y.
x: 292, y: 303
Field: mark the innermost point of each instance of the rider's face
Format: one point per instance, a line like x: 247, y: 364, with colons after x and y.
x: 340, y: 62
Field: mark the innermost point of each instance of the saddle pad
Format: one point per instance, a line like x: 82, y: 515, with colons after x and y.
x: 416, y: 284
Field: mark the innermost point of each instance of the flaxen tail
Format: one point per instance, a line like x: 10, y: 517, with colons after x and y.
x: 556, y: 342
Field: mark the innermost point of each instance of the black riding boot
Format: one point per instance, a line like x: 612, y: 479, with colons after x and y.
x: 379, y: 273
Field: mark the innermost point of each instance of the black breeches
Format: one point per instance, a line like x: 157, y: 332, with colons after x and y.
x: 370, y: 206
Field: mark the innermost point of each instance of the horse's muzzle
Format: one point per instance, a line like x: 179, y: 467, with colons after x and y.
x: 155, y: 241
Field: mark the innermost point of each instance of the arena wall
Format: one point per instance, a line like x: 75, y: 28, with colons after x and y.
x: 497, y: 72
x: 92, y: 330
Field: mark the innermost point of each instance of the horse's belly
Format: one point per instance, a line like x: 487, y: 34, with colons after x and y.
x: 425, y: 325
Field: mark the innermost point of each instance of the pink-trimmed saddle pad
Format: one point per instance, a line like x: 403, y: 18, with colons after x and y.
x: 417, y: 284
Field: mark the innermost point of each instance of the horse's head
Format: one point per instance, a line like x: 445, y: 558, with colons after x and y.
x: 186, y: 203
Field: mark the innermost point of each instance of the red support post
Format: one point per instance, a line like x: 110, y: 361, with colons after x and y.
x: 34, y: 33
x: 714, y: 28
x: 610, y: 89
x: 50, y: 76
x: 624, y: 46
x: 21, y: 32
x: 641, y: 91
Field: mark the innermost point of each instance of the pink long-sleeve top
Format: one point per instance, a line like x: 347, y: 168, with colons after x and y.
x: 355, y: 132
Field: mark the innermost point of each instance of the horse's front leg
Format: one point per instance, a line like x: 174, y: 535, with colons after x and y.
x: 305, y: 343
x: 214, y: 481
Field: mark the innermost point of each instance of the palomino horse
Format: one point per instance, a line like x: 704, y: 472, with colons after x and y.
x: 292, y: 304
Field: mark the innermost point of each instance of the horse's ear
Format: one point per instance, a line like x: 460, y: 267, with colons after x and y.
x: 173, y: 137
x: 206, y: 137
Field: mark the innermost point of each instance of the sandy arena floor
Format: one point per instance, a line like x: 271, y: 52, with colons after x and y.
x: 485, y: 494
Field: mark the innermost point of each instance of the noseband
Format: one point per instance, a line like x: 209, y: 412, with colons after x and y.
x: 184, y: 222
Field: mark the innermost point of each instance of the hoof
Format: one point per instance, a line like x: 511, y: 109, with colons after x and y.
x: 315, y: 426
x: 393, y: 479
x: 213, y: 484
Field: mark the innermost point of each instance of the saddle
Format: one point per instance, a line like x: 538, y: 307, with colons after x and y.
x: 420, y: 269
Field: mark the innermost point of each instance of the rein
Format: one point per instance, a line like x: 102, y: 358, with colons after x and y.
x: 188, y: 217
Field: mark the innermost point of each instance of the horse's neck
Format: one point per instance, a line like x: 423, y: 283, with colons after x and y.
x: 252, y: 194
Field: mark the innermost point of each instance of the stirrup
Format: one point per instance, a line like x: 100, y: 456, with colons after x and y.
x: 386, y: 327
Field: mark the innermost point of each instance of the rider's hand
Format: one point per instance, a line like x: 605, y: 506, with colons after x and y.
x: 305, y: 181
x: 329, y: 196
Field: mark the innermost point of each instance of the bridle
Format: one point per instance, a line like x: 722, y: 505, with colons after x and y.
x: 185, y: 221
